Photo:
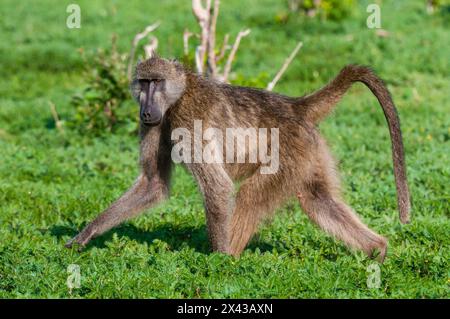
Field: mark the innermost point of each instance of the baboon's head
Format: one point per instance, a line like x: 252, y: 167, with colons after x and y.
x: 157, y: 85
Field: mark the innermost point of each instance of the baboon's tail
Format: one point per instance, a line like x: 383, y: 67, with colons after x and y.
x: 320, y: 103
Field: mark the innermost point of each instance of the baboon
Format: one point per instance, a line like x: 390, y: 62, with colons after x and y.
x: 172, y: 96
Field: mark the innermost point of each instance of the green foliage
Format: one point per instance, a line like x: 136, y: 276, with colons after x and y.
x: 438, y: 3
x: 326, y: 9
x: 336, y: 9
x: 442, y: 6
x: 51, y: 184
x: 258, y: 81
x: 101, y: 107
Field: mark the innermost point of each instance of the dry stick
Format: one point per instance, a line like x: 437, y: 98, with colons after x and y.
x: 212, y: 66
x: 224, y: 48
x: 138, y: 37
x: 198, y: 60
x: 199, y: 12
x: 288, y: 61
x: 55, y: 117
x: 205, y: 35
x: 150, y: 48
x: 186, y: 35
x: 227, y: 69
x: 203, y: 17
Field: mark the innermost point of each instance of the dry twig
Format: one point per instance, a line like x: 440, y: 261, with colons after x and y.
x: 151, y: 47
x: 288, y: 61
x: 138, y: 37
x: 186, y: 35
x: 212, y: 60
x: 203, y: 16
x: 226, y: 71
x: 224, y: 48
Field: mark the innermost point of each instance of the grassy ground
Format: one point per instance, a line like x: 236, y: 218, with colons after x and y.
x: 52, y: 184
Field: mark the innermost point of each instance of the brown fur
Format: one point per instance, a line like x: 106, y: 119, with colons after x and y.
x: 306, y: 170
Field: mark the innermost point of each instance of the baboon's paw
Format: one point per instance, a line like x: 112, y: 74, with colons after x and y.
x: 379, y: 253
x: 80, y: 240
x: 382, y: 255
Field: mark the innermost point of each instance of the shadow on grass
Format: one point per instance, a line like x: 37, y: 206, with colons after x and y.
x: 176, y: 237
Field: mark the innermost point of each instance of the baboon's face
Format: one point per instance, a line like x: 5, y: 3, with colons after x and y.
x: 158, y: 84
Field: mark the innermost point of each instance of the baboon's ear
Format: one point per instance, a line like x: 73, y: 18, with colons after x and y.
x: 178, y: 65
x: 138, y: 62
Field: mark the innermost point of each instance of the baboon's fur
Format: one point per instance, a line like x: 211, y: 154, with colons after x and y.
x: 306, y: 169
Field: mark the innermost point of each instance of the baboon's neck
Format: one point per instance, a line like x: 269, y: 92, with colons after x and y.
x: 199, y: 94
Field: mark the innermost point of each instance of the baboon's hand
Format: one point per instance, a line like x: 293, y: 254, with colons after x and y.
x: 379, y: 254
x: 82, y: 239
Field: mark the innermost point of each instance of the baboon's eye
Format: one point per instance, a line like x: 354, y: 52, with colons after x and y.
x: 136, y: 88
x: 143, y: 83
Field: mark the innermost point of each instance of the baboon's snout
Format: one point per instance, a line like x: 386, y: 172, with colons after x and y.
x: 150, y: 113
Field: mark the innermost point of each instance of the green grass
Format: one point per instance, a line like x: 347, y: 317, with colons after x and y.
x: 52, y: 184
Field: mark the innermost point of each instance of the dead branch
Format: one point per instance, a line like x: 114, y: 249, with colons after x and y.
x: 288, y: 61
x: 138, y: 37
x: 205, y: 53
x: 198, y: 60
x: 186, y: 35
x: 212, y: 59
x: 227, y: 69
x: 203, y: 16
x: 223, y: 49
x: 200, y: 13
x: 150, y: 48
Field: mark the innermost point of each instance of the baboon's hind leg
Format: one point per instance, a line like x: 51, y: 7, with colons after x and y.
x: 257, y: 197
x: 335, y: 217
x: 320, y: 200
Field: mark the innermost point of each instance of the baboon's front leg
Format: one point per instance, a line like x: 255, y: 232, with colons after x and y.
x: 143, y: 194
x: 256, y: 198
x: 217, y: 189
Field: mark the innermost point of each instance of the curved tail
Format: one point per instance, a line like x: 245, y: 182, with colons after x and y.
x: 320, y: 103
